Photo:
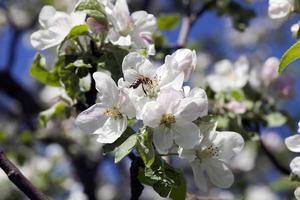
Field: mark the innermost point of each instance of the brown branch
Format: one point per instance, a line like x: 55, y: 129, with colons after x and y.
x: 189, y: 20
x: 15, y: 176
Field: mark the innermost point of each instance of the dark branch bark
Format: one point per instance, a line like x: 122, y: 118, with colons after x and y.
x: 19, y: 179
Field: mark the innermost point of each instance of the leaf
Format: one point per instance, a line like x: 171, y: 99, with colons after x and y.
x: 93, y: 8
x: 145, y: 148
x: 78, y: 31
x: 275, y: 119
x: 39, y: 72
x: 58, y: 110
x: 292, y: 54
x: 165, y: 180
x: 284, y: 184
x: 111, y: 147
x: 125, y: 148
x: 167, y: 22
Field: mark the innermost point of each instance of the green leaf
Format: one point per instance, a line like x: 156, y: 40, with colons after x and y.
x: 78, y: 31
x: 292, y: 54
x: 125, y: 148
x: 165, y: 180
x: 111, y: 147
x: 284, y: 184
x: 93, y: 8
x: 275, y: 119
x: 39, y: 72
x: 238, y: 95
x: 167, y: 22
x: 59, y: 110
x: 145, y: 148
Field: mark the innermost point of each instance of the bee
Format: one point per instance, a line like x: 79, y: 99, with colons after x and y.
x: 140, y: 80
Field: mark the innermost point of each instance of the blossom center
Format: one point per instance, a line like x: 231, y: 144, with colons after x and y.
x: 168, y: 119
x: 113, y: 112
x: 209, y: 152
x: 127, y: 29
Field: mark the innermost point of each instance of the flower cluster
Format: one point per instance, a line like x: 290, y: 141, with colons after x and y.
x: 150, y: 97
x: 156, y: 96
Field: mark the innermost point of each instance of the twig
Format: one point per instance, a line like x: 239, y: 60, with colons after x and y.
x: 189, y: 19
x: 19, y: 179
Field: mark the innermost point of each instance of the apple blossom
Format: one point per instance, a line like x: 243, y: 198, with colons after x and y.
x: 107, y: 119
x: 280, y: 8
x: 171, y: 116
x: 56, y: 25
x: 186, y: 61
x: 211, y: 154
x: 228, y: 76
x: 297, y: 193
x: 143, y: 82
x: 133, y: 30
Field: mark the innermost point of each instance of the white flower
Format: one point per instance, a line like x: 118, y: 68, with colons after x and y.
x: 295, y: 29
x: 297, y: 193
x: 229, y: 76
x: 133, y: 30
x: 260, y: 192
x: 143, y: 82
x: 280, y: 8
x: 172, y: 116
x: 295, y: 166
x: 107, y: 119
x: 210, y: 156
x: 56, y: 26
x: 293, y: 143
x: 186, y: 61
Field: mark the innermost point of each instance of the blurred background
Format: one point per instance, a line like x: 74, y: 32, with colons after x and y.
x: 68, y: 164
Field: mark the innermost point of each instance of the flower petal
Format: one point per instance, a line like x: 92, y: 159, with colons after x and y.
x: 144, y: 22
x: 186, y: 134
x: 228, y: 143
x: 295, y: 166
x: 188, y: 154
x: 293, y: 143
x: 199, y: 176
x: 111, y: 130
x: 297, y: 193
x: 92, y: 119
x: 169, y: 99
x: 152, y: 113
x: 107, y: 88
x: 162, y: 139
x: 219, y: 173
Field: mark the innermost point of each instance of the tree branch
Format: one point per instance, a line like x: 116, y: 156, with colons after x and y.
x: 189, y: 20
x: 15, y: 175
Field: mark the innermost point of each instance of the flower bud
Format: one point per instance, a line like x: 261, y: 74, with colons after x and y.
x: 95, y: 26
x: 187, y: 61
x: 269, y: 71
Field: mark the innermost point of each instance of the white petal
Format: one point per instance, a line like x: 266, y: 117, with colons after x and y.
x: 144, y: 22
x: 111, y: 130
x: 295, y: 166
x: 162, y: 139
x: 169, y: 99
x: 107, y: 88
x: 199, y: 176
x: 92, y: 119
x: 293, y: 143
x: 195, y: 105
x: 152, y: 113
x: 219, y: 173
x: 44, y: 39
x: 46, y: 13
x: 78, y: 18
x: 229, y: 144
x: 297, y: 193
x: 116, y: 39
x: 186, y: 134
x: 188, y: 154
x: 126, y: 105
x: 121, y: 16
